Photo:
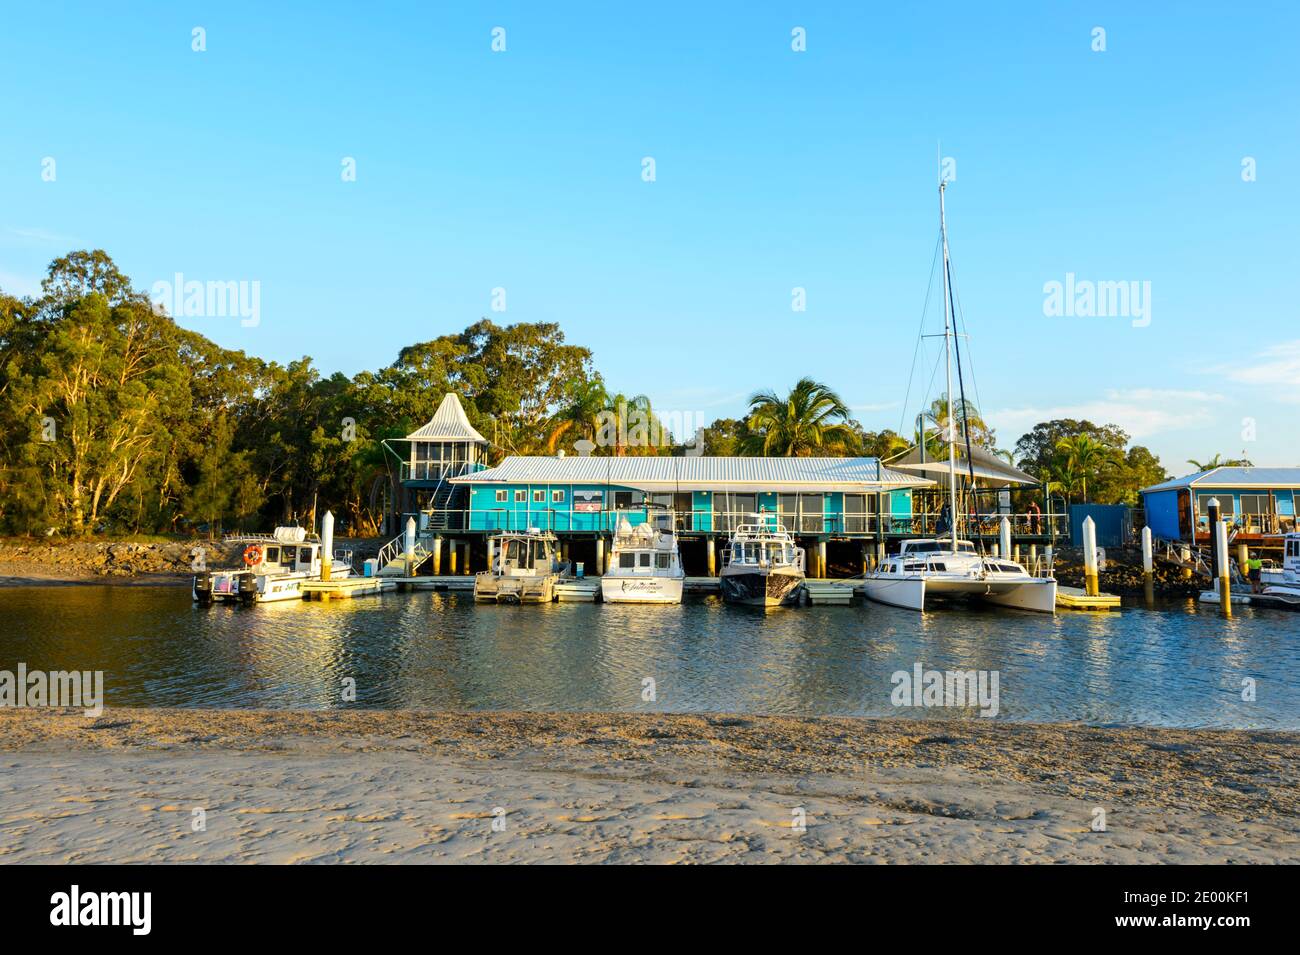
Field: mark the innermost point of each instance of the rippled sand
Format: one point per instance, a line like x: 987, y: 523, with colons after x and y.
x: 365, y: 786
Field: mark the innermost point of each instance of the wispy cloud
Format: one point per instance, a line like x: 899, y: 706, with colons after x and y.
x: 1142, y: 412
x: 41, y: 236
x: 1277, y: 366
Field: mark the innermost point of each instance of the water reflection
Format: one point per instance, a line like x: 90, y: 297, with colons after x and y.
x: 1174, y: 665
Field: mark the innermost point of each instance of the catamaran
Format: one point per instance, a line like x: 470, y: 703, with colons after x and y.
x: 274, y: 568
x: 939, y: 567
x: 525, y: 568
x: 762, y: 567
x: 645, y: 566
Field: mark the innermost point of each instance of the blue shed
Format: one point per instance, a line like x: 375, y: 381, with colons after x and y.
x: 1114, y: 523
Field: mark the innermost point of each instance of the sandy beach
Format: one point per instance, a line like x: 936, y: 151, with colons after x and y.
x: 369, y: 786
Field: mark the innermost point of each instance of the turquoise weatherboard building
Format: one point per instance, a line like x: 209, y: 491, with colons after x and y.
x: 843, y: 511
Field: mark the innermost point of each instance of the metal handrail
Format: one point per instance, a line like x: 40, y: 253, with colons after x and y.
x: 439, y: 470
x: 566, y: 519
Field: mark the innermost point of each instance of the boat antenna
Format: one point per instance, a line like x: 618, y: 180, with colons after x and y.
x: 947, y: 349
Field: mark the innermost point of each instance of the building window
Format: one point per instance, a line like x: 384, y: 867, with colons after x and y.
x: 539, y: 497
x: 557, y: 497
x: 502, y: 496
x: 622, y: 500
x: 521, y: 497
x: 811, y: 507
x: 1225, y: 504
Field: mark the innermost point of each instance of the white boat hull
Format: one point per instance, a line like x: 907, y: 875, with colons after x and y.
x: 1038, y: 595
x: 905, y: 592
x: 911, y: 592
x: 641, y: 590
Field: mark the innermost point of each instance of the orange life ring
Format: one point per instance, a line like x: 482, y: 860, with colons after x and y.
x: 252, y: 555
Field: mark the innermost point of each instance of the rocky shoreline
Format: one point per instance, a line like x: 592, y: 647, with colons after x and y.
x: 29, y: 560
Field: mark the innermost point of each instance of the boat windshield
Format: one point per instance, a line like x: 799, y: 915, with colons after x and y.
x: 778, y: 554
x: 939, y: 547
x: 526, y: 554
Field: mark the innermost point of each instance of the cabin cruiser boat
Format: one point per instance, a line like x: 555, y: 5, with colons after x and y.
x: 645, y: 566
x: 274, y: 568
x: 762, y: 567
x: 930, y: 568
x: 1280, y: 587
x: 525, y: 568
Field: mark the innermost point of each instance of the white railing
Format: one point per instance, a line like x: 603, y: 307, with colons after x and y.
x: 1044, y: 527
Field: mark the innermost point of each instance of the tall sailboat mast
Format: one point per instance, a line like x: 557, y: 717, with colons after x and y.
x: 947, y: 351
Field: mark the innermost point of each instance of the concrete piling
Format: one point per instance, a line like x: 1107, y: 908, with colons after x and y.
x: 1092, y: 586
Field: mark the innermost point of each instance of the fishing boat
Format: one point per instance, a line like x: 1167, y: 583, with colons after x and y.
x: 762, y: 567
x: 274, y: 568
x: 525, y: 568
x: 940, y: 567
x: 645, y: 566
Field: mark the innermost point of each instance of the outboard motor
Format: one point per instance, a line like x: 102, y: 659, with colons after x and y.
x: 247, y: 588
x: 203, y: 588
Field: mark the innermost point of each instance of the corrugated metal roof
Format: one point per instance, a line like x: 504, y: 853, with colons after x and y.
x: 1233, y: 477
x: 447, y: 424
x: 703, y: 473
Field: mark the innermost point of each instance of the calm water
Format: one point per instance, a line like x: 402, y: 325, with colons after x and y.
x: 1181, y: 665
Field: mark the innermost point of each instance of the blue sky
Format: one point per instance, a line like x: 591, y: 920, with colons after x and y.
x: 775, y: 169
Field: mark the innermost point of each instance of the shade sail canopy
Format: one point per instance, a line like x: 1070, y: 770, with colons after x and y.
x: 985, y: 465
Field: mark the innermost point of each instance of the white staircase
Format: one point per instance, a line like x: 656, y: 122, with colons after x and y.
x: 392, y: 557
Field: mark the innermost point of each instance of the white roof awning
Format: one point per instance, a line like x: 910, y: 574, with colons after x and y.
x: 983, y: 464
x: 448, y: 423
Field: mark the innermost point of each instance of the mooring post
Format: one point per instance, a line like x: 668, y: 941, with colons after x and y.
x: 410, y: 547
x: 326, y: 544
x: 821, y: 559
x: 712, y: 550
x: 1091, y: 585
x: 1004, y: 538
x: 437, y: 556
x: 489, y: 554
x: 600, y: 554
x: 1148, y: 568
x: 1221, y: 561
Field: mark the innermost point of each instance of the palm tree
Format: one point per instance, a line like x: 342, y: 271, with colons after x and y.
x: 1218, y: 462
x: 809, y: 419
x: 884, y: 444
x: 1082, y: 455
x: 584, y: 401
x: 968, y: 421
x: 633, y: 419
